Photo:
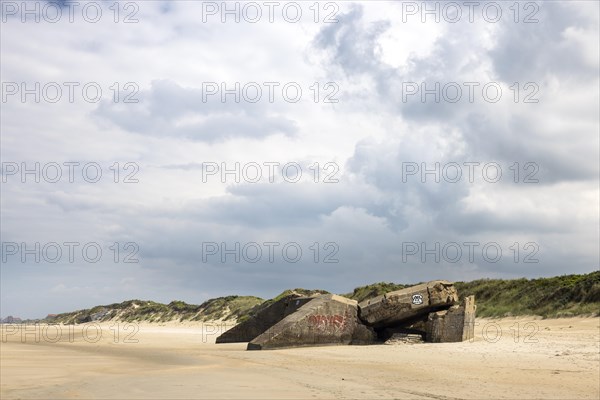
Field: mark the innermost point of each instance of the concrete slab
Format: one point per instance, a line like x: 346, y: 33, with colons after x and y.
x: 457, y: 324
x: 264, y: 319
x: 394, y: 307
x: 325, y: 320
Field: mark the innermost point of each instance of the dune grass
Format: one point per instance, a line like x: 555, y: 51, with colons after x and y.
x: 560, y: 296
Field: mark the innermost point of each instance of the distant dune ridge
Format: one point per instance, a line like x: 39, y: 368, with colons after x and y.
x: 562, y: 296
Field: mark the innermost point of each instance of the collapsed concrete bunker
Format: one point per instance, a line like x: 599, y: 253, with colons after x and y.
x: 431, y: 310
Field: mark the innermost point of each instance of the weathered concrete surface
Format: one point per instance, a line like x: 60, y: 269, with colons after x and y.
x: 363, y: 334
x: 394, y: 307
x: 457, y: 324
x: 264, y: 319
x: 325, y: 320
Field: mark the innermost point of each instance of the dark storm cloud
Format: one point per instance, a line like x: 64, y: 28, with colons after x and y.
x: 530, y: 51
x: 523, y: 53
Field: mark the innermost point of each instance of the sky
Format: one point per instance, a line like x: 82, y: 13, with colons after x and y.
x: 187, y: 150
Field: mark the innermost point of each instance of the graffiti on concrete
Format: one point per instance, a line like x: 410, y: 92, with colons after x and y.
x: 336, y: 323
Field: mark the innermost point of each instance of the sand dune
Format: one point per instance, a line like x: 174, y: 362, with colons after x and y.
x: 549, y: 359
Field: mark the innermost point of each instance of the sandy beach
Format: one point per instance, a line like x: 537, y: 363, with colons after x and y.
x: 542, y: 359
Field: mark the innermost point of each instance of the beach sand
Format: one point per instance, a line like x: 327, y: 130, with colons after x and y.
x: 547, y: 359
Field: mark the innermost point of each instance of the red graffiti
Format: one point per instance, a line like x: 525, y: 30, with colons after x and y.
x: 324, y: 322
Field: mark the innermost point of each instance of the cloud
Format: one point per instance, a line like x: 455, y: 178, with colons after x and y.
x: 560, y: 43
x: 169, y: 110
x: 373, y: 134
x: 509, y: 130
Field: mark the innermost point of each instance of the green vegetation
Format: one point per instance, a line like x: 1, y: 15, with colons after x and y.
x: 303, y: 292
x: 561, y: 296
x: 265, y: 304
x: 227, y: 308
x: 377, y: 289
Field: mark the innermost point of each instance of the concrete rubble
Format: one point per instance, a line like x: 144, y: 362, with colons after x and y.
x: 325, y: 320
x: 427, y: 312
x: 404, y: 338
x: 264, y: 319
x: 456, y: 324
x: 393, y: 307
